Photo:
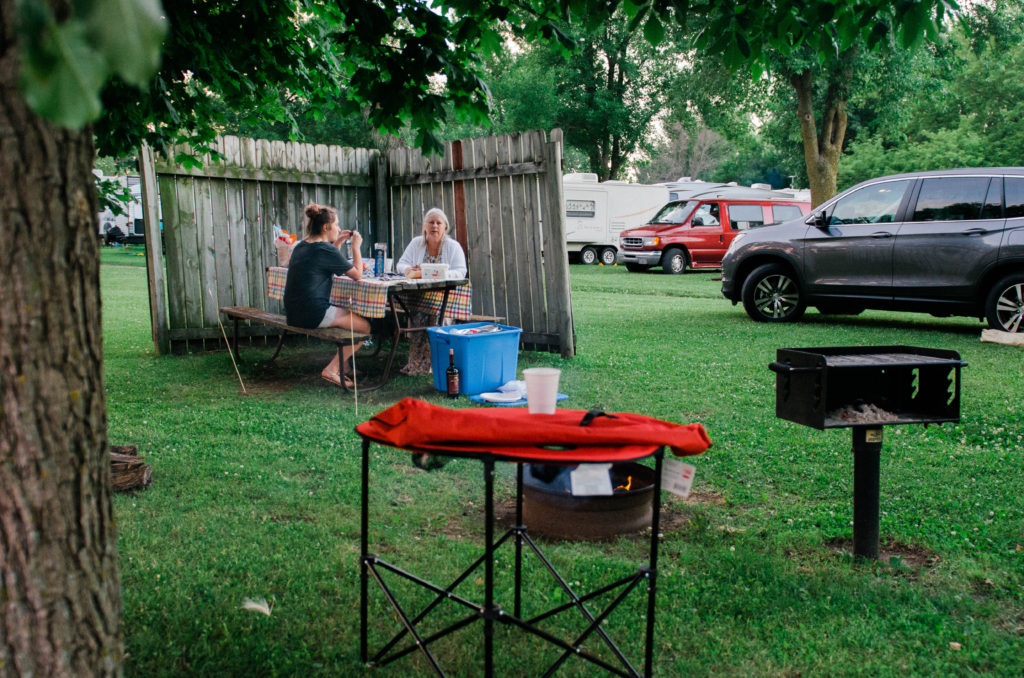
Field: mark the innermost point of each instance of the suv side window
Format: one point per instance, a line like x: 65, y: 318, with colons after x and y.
x: 951, y: 198
x: 1014, y: 197
x: 706, y: 215
x: 744, y: 217
x: 993, y: 208
x: 874, y: 204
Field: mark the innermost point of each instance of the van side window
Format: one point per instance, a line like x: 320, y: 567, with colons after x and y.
x: 785, y: 213
x: 874, y: 204
x: 706, y: 215
x: 951, y: 198
x: 744, y: 217
x: 1014, y: 197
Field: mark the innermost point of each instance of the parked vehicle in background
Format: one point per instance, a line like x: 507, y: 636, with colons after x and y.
x: 124, y: 229
x: 949, y: 242
x: 595, y: 213
x: 696, y: 230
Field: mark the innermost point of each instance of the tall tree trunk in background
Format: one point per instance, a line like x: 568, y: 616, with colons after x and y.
x: 60, y: 600
x: 822, y: 148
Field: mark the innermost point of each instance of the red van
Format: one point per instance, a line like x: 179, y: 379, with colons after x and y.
x: 695, y: 232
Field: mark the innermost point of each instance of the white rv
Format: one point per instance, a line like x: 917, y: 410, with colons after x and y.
x: 130, y: 225
x: 596, y: 212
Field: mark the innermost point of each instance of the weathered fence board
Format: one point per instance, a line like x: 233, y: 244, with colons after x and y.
x: 503, y: 197
x: 218, y: 224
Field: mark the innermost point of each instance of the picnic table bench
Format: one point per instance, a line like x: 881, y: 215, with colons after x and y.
x: 336, y: 335
x: 392, y: 299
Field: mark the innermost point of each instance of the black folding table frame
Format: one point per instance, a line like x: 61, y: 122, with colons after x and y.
x: 371, y: 565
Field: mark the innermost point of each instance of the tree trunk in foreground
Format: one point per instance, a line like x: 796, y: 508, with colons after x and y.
x: 60, y: 600
x: 822, y: 148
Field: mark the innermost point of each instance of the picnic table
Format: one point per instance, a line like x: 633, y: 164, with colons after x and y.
x: 373, y: 297
x: 401, y: 300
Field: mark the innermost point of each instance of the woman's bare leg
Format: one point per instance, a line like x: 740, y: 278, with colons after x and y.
x: 348, y: 321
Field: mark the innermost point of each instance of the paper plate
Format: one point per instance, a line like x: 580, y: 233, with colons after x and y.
x: 500, y: 397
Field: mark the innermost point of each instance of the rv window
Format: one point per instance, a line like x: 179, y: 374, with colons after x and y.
x: 580, y: 208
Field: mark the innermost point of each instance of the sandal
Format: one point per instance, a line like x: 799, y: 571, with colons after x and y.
x: 335, y: 378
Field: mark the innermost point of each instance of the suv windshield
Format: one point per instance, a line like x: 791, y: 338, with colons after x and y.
x: 674, y: 212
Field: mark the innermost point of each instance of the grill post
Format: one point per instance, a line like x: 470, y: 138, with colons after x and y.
x: 867, y: 448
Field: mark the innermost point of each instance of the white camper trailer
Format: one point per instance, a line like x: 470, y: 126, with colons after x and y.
x: 131, y: 226
x: 596, y: 212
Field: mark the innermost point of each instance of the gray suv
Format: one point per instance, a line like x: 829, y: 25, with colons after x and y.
x: 949, y: 242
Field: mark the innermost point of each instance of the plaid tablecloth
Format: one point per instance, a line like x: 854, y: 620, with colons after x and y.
x: 369, y: 297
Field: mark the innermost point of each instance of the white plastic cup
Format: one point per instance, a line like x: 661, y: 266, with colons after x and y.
x: 541, y: 389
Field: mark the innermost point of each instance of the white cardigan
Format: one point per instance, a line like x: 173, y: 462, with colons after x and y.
x: 451, y: 254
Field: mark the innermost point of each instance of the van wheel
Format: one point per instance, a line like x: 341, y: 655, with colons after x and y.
x: 1004, y: 307
x: 608, y: 256
x: 637, y: 268
x: 588, y: 256
x: 674, y: 261
x: 771, y: 294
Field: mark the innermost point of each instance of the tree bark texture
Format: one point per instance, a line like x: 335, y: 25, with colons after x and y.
x: 60, y: 600
x: 822, y: 148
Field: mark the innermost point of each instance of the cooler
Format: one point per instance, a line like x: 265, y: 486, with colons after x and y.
x: 486, y: 359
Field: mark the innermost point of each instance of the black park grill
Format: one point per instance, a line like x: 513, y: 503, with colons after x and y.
x: 866, y: 388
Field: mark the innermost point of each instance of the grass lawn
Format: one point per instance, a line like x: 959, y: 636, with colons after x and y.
x: 256, y: 496
x: 129, y: 255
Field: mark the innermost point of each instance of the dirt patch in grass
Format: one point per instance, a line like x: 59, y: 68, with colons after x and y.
x: 698, y: 497
x: 892, y: 552
x: 469, y: 522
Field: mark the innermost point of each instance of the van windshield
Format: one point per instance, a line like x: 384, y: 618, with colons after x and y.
x: 675, y: 212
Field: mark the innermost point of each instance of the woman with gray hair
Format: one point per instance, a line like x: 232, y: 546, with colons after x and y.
x: 433, y: 247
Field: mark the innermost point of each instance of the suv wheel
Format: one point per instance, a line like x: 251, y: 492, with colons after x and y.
x: 608, y: 256
x: 674, y: 261
x: 637, y: 268
x: 588, y: 256
x: 1004, y: 308
x: 771, y: 294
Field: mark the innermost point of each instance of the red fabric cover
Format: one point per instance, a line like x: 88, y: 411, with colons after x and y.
x: 516, y: 432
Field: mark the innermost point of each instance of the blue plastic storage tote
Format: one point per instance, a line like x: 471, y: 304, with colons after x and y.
x: 486, y: 359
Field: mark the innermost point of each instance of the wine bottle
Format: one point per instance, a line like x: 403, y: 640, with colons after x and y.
x: 452, y: 373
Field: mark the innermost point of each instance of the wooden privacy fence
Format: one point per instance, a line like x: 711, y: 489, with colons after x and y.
x: 217, y: 225
x: 505, y: 206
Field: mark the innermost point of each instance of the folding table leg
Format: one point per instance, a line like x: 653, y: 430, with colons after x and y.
x: 518, y: 574
x: 652, y: 574
x: 364, y: 522
x: 489, y: 567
